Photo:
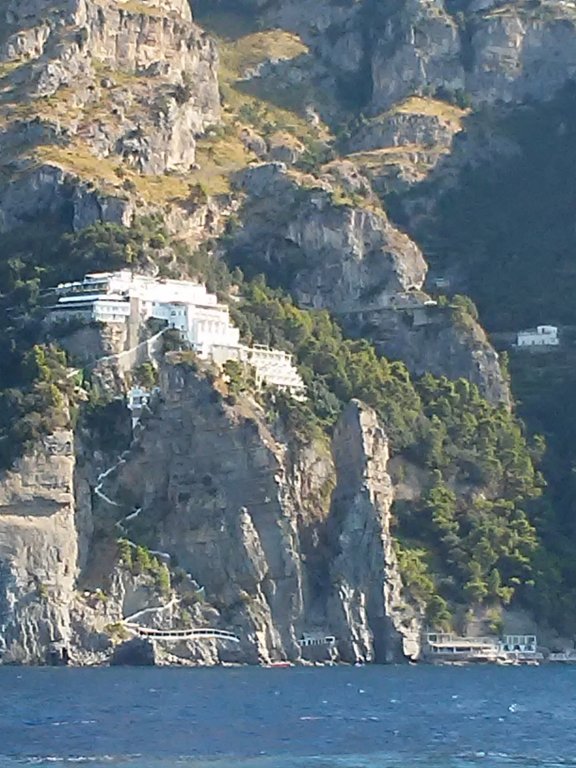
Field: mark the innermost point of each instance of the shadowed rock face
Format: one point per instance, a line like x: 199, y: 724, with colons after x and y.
x: 429, y: 339
x: 350, y: 259
x: 138, y: 652
x: 418, y: 46
x: 218, y: 498
x: 386, y: 52
x: 241, y: 511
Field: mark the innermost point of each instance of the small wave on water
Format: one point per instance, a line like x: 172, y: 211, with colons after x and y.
x: 371, y: 717
x: 378, y: 760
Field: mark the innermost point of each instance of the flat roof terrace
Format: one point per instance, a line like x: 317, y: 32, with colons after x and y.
x: 92, y: 298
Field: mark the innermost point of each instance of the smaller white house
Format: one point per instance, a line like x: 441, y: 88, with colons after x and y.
x: 542, y: 336
x: 311, y: 640
x: 138, y: 398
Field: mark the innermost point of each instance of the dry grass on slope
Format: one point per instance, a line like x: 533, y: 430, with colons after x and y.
x: 245, y: 53
x: 109, y: 175
x: 420, y: 105
x: 267, y: 104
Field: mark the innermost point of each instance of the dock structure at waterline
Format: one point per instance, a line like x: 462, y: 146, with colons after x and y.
x: 447, y: 647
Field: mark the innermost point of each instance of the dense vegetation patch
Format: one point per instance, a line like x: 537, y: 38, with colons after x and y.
x: 36, y: 391
x: 470, y: 538
x: 507, y: 227
x: 141, y: 562
x: 39, y: 402
x: 544, y: 386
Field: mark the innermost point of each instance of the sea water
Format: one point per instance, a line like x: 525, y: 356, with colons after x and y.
x: 339, y: 717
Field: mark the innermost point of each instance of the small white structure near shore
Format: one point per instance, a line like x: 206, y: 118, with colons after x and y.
x: 444, y: 646
x: 542, y: 336
x: 130, y: 299
x: 315, y: 639
x: 447, y: 647
x: 519, y: 644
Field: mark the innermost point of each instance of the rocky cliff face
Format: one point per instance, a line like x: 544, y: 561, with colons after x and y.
x: 333, y: 246
x: 432, y: 339
x: 129, y: 85
x: 418, y: 47
x: 38, y: 552
x: 338, y: 252
x: 406, y: 144
x: 160, y: 52
x: 521, y: 51
x: 217, y: 499
x: 493, y: 51
x: 251, y: 518
x: 371, y: 610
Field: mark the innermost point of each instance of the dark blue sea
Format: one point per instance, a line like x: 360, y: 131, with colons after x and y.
x: 371, y: 717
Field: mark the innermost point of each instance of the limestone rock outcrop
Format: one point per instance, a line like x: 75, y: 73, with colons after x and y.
x: 432, y: 339
x: 372, y: 614
x: 337, y: 250
x: 507, y: 53
x: 133, y: 83
x: 265, y: 537
x: 51, y: 191
x: 521, y: 51
x: 414, y: 123
x: 404, y: 145
x: 489, y: 50
x: 418, y: 47
x: 218, y: 496
x: 341, y: 255
x: 250, y: 519
x: 38, y: 552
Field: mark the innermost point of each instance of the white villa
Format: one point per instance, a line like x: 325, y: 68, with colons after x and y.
x: 443, y: 645
x: 115, y: 297
x: 542, y: 336
x: 129, y: 299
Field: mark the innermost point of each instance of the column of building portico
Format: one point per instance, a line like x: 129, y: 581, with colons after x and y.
x: 134, y: 323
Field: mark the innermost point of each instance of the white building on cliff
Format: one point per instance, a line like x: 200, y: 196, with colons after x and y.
x: 129, y: 299
x: 542, y: 336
